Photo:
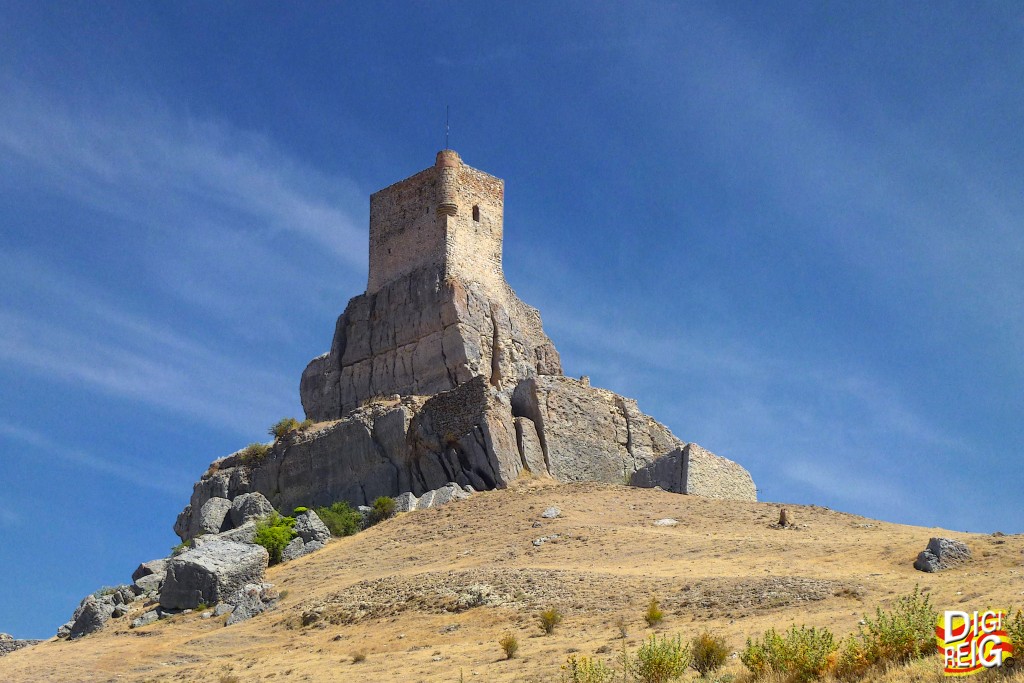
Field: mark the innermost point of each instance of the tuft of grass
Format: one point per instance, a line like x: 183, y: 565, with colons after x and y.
x: 623, y: 626
x: 659, y: 660
x: 254, y: 453
x: 653, y: 616
x: 358, y: 657
x: 509, y: 645
x: 229, y: 678
x: 586, y: 670
x: 709, y: 653
x: 341, y: 519
x: 274, y: 533
x: 549, y: 619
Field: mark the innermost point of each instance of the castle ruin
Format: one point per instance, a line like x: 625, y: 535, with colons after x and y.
x: 439, y: 373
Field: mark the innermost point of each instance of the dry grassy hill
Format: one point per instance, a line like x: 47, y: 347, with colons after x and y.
x: 426, y: 596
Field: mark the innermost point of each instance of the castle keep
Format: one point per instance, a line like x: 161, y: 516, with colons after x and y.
x: 438, y: 373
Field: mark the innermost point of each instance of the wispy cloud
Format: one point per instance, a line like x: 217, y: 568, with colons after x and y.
x: 136, y: 473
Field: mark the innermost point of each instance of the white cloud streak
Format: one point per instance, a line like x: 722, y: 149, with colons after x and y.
x: 136, y: 473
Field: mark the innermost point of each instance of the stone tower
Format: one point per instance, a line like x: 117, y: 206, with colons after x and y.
x: 437, y: 310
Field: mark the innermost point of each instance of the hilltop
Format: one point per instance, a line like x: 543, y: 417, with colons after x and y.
x: 426, y: 595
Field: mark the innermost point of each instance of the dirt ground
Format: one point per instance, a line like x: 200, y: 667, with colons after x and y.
x: 427, y: 595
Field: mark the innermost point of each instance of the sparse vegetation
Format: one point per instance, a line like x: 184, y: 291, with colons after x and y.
x: 383, y: 508
x: 895, y: 637
x: 179, y: 549
x: 709, y: 653
x: 229, y: 678
x: 341, y: 519
x: 509, y: 645
x: 586, y: 670
x: 549, y: 619
x: 653, y: 616
x: 274, y: 533
x: 659, y: 660
x: 623, y: 627
x: 299, y: 510
x: 254, y: 453
x: 358, y: 657
x: 1015, y: 630
x: 287, y: 425
x: 800, y: 654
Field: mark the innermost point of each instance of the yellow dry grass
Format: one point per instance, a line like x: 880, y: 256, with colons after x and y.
x: 402, y: 593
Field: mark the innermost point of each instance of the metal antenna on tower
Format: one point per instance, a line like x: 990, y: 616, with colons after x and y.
x: 446, y: 127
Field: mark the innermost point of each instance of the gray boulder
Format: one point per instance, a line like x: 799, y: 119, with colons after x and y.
x: 150, y: 568
x: 213, y: 517
x: 293, y: 550
x: 90, y: 617
x: 146, y: 619
x: 405, y: 502
x: 248, y: 507
x: 150, y: 584
x: 212, y: 572
x: 551, y: 513
x: 252, y: 599
x: 311, y: 528
x: 942, y: 554
x: 246, y: 533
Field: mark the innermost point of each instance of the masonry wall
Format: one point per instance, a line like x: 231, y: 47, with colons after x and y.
x: 405, y: 232
x: 473, y: 247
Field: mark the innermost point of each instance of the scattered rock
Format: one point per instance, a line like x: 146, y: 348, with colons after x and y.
x: 211, y: 573
x: 149, y: 569
x: 9, y: 643
x: 551, y: 513
x: 538, y: 542
x: 246, y: 533
x: 250, y: 507
x: 146, y: 619
x: 223, y: 608
x: 90, y: 617
x: 668, y: 521
x: 213, y: 517
x: 311, y: 529
x: 252, y: 599
x: 942, y: 554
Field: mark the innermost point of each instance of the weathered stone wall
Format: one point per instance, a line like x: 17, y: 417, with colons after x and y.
x: 405, y: 232
x: 473, y: 247
x: 693, y: 470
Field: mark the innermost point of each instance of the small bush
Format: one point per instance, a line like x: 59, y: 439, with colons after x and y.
x: 1015, y: 630
x: 358, y: 657
x: 660, y: 660
x: 283, y: 427
x: 709, y: 653
x: 341, y: 519
x: 852, y: 663
x: 254, y: 453
x: 299, y: 510
x: 509, y: 645
x: 802, y: 654
x: 586, y: 670
x: 653, y: 616
x: 274, y: 533
x: 549, y: 619
x: 383, y: 508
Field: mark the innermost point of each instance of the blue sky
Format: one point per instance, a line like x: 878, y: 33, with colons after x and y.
x: 792, y: 231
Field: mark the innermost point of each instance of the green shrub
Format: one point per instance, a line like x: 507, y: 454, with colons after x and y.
x: 852, y: 663
x: 1015, y: 630
x: 586, y: 670
x: 709, y: 653
x: 341, y: 519
x: 274, y: 533
x: 383, y: 508
x: 653, y: 616
x: 299, y: 510
x: 509, y: 645
x: 802, y: 653
x: 179, y: 549
x: 254, y: 453
x: 905, y: 633
x: 549, y: 619
x: 660, y: 660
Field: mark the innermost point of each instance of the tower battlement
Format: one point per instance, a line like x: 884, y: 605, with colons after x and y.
x: 448, y: 217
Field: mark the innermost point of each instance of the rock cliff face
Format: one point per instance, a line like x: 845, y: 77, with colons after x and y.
x: 438, y: 373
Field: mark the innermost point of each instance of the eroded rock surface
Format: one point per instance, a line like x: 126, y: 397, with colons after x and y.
x: 211, y: 573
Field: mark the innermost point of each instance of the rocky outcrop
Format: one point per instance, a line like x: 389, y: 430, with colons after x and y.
x: 211, y: 573
x: 439, y: 373
x: 9, y: 644
x: 942, y: 554
x: 423, y: 334
x: 693, y: 470
x: 250, y: 507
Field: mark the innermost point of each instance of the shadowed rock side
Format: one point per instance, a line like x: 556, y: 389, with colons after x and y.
x: 420, y: 335
x: 472, y: 435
